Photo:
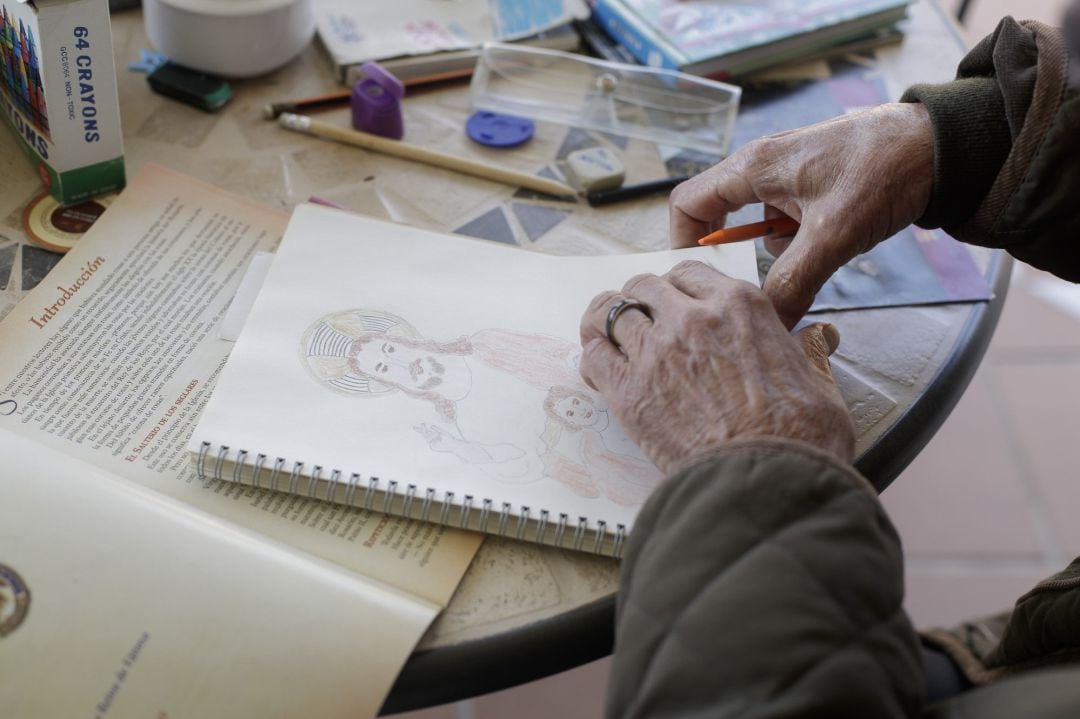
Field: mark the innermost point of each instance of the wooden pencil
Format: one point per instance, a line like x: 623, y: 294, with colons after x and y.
x: 397, y: 148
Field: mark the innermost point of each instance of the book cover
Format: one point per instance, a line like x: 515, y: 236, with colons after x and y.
x: 433, y: 376
x: 707, y: 37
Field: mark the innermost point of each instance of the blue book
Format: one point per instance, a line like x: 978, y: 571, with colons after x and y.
x: 721, y: 39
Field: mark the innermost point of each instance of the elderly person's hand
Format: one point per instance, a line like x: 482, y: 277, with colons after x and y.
x: 851, y: 182
x: 710, y: 362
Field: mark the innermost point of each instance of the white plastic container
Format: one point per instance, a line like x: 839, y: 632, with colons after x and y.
x: 230, y: 38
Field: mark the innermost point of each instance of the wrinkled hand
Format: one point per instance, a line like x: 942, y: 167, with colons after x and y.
x: 851, y: 182
x: 711, y: 362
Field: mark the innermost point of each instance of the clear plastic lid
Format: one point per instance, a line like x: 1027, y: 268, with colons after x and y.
x: 662, y: 106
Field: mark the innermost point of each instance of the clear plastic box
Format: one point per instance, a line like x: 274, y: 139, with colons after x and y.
x: 661, y: 106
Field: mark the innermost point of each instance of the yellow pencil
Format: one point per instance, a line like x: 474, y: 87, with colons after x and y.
x: 397, y: 148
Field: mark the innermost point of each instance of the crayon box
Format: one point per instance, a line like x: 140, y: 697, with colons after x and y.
x: 58, y: 93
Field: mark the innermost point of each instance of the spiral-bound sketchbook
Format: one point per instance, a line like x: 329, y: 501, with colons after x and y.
x: 433, y: 376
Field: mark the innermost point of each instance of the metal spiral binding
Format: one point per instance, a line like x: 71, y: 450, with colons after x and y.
x: 620, y: 536
x: 372, y: 485
x: 542, y: 526
x: 579, y: 532
x: 601, y: 532
x: 276, y: 472
x: 485, y: 511
x: 425, y: 511
x: 466, y: 507
x: 223, y: 451
x: 331, y: 489
x: 523, y: 520
x: 560, y: 529
x: 260, y: 460
x: 238, y: 465
x: 313, y: 482
x: 200, y: 462
x: 444, y: 515
x: 350, y: 490
x: 391, y: 490
x: 503, y: 515
x: 372, y: 488
x: 294, y: 476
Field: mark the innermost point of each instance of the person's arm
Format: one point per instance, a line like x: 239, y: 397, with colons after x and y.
x: 765, y: 581
x: 994, y: 157
x: 1007, y: 148
x: 762, y: 579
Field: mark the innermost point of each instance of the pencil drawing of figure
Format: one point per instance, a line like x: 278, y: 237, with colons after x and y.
x: 370, y: 353
x: 582, y: 452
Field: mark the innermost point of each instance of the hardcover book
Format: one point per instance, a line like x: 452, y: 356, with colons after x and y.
x: 722, y: 39
x: 435, y: 377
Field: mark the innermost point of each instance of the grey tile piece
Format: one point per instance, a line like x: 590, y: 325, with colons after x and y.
x: 537, y: 219
x: 620, y: 141
x: 36, y: 263
x: 902, y: 353
x: 527, y: 194
x: 7, y: 263
x: 690, y: 162
x: 576, y: 139
x: 492, y: 225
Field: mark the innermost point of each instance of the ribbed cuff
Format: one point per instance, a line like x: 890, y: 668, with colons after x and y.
x: 971, y: 141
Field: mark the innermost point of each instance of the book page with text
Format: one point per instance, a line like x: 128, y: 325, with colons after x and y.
x: 112, y: 358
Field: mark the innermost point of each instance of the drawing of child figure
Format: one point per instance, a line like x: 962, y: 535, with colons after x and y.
x: 578, y: 452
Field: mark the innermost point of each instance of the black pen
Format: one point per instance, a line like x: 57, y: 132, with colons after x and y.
x: 630, y: 192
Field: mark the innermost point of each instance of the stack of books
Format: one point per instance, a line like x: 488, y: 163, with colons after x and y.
x: 721, y: 39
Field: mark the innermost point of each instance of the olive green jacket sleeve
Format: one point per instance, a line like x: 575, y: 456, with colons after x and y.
x: 1007, y: 148
x: 765, y: 581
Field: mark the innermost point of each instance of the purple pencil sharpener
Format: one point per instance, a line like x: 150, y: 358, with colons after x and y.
x: 376, y: 103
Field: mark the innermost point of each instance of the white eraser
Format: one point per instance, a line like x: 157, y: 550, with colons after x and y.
x: 595, y: 168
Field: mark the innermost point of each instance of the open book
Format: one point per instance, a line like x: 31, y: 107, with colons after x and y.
x: 117, y: 601
x: 129, y: 588
x: 435, y: 377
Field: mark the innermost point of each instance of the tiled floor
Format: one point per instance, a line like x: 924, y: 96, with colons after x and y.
x: 985, y: 511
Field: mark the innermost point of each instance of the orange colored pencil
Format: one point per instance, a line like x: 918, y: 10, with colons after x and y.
x: 775, y: 226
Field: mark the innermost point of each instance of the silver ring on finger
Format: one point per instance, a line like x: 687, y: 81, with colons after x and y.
x: 616, y: 310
